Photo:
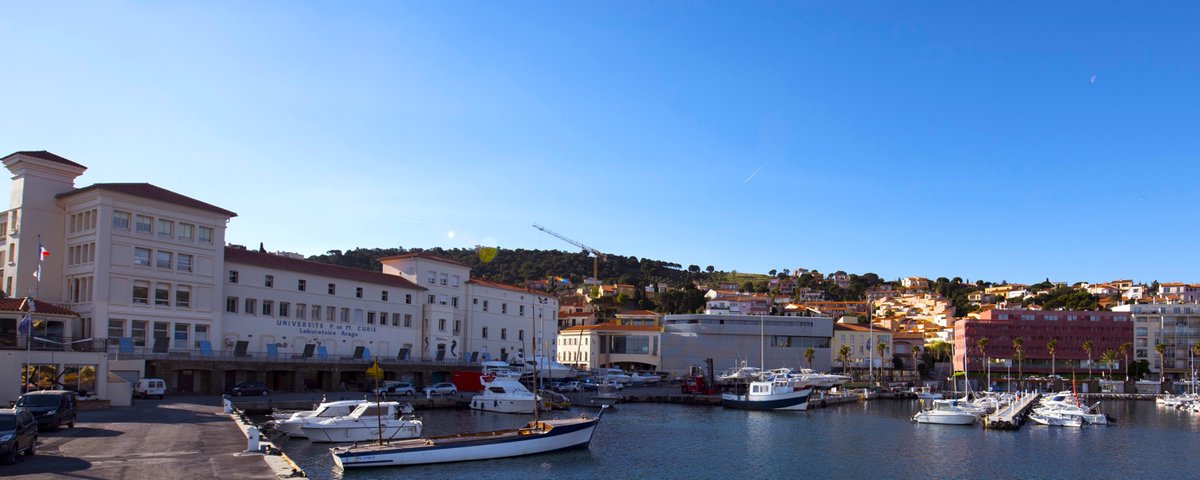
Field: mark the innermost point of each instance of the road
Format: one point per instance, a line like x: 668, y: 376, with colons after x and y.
x: 180, y: 437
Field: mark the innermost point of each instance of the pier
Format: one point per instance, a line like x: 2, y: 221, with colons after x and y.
x: 1012, y: 416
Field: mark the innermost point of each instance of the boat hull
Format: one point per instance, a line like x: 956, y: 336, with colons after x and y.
x: 565, y: 435
x: 944, y: 418
x: 797, y: 400
x: 361, y: 433
x: 502, y: 405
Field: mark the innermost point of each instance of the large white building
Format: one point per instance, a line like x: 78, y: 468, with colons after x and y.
x: 1175, y: 325
x: 149, y: 276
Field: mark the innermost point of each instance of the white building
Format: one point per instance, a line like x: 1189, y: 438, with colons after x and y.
x: 1175, y: 325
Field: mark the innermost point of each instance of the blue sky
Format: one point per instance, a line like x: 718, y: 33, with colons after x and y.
x: 996, y: 141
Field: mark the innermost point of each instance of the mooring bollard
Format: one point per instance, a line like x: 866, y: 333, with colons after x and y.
x: 228, y: 404
x: 252, y: 439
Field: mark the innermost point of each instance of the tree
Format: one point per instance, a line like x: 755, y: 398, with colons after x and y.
x: 1107, y: 359
x: 1019, y: 356
x: 694, y: 268
x: 809, y: 354
x: 1087, y: 348
x: 1123, y: 350
x: 916, y: 352
x: 981, y: 344
x: 1050, y: 346
x: 844, y: 356
x: 772, y: 272
x: 1162, y: 362
x: 709, y: 269
x: 881, y: 348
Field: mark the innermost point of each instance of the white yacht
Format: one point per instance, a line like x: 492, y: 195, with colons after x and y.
x: 548, y: 368
x: 613, y: 374
x: 743, y: 373
x: 291, y: 424
x: 368, y: 421
x: 504, y: 395
x: 1055, y: 418
x: 946, y: 412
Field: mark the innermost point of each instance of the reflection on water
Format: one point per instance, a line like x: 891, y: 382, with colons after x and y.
x: 875, y: 440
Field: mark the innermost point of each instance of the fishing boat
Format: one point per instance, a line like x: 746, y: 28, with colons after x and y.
x: 777, y: 392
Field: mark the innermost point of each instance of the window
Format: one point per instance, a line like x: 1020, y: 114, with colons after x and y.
x: 370, y: 318
x: 162, y: 259
x: 432, y: 277
x: 345, y: 315
x: 268, y: 308
x: 332, y: 289
x: 231, y: 304
x: 201, y: 334
x: 504, y: 334
x: 408, y: 320
x: 233, y: 276
x: 269, y: 281
x: 454, y: 280
x: 141, y: 292
x: 383, y: 296
x: 395, y: 320
x: 121, y: 221
x: 283, y: 309
x: 251, y: 306
x: 331, y: 313
x: 205, y: 234
x: 457, y: 326
x: 358, y: 292
x: 521, y: 335
x: 162, y: 294
x: 521, y: 310
x: 483, y: 333
x: 301, y: 311
x: 183, y: 262
x: 485, y: 305
x: 442, y: 324
x: 301, y: 285
x: 432, y: 298
x: 183, y: 296
x: 137, y: 330
x: 166, y: 228
x: 116, y: 328
x: 141, y: 256
x: 316, y: 312
x: 186, y: 231
x: 454, y: 302
x: 181, y: 335
x: 443, y: 279
x: 143, y: 224
x: 408, y: 298
x: 503, y: 308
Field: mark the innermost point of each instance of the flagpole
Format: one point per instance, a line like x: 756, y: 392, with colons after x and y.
x: 29, y: 314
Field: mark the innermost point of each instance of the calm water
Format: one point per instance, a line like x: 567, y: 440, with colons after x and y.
x: 865, y: 440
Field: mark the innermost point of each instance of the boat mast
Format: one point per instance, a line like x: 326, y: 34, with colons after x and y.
x: 533, y: 353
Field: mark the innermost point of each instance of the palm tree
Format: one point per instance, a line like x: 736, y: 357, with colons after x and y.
x: 809, y: 354
x: 981, y: 344
x: 1162, y: 362
x: 1019, y: 356
x: 880, y: 348
x: 1123, y: 350
x: 916, y: 352
x: 1107, y: 359
x: 844, y: 357
x: 1087, y: 348
x: 1050, y: 346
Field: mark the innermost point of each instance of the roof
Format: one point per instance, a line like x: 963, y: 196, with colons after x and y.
x: 44, y: 155
x: 267, y: 260
x: 613, y: 326
x: 152, y: 192
x: 859, y: 328
x: 644, y: 313
x: 19, y: 305
x: 425, y: 255
x: 505, y: 286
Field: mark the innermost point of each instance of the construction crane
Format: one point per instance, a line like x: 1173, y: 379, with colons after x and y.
x: 596, y: 254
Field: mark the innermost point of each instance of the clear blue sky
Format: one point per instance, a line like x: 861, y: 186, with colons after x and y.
x: 997, y: 141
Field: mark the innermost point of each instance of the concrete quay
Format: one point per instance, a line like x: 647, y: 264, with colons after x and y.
x: 179, y: 437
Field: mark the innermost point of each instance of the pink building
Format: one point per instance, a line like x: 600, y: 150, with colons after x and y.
x: 1106, y: 330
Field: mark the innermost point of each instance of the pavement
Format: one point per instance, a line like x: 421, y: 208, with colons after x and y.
x: 179, y: 437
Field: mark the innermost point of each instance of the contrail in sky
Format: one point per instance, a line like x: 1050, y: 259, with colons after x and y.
x: 755, y: 173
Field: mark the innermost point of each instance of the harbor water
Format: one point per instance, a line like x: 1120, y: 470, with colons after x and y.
x: 874, y: 439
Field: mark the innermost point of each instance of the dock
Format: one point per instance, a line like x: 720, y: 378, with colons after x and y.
x: 1012, y: 416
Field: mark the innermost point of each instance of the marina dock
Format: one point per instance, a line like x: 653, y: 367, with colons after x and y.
x: 1012, y: 416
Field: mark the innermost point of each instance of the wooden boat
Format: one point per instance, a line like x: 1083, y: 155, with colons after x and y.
x: 535, y: 437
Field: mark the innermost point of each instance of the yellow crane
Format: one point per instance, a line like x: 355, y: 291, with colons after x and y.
x: 596, y: 254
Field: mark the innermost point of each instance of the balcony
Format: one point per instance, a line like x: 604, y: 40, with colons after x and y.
x: 53, y: 343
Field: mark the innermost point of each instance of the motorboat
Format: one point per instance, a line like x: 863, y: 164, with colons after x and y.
x: 946, y: 412
x: 504, y: 395
x: 644, y: 379
x: 291, y: 424
x: 500, y: 369
x: 549, y: 369
x: 535, y: 437
x: 777, y: 392
x: 368, y: 421
x: 927, y: 393
x: 742, y: 373
x: 613, y: 374
x: 821, y: 380
x: 1055, y: 418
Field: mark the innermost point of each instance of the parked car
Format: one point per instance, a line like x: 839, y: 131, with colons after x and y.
x: 18, y: 434
x: 249, y: 388
x: 150, y: 387
x: 589, y: 384
x: 396, y: 389
x: 568, y: 387
x: 51, y: 408
x: 444, y: 388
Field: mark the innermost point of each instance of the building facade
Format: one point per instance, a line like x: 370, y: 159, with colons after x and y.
x: 1036, y: 328
x: 730, y: 340
x: 1174, y: 325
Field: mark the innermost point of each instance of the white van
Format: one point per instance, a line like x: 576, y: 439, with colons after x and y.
x: 150, y: 387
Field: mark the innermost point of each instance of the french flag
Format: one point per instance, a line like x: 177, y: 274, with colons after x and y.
x: 42, y: 252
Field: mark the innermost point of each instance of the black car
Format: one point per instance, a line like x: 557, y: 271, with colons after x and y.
x: 18, y: 433
x: 51, y: 408
x: 249, y: 388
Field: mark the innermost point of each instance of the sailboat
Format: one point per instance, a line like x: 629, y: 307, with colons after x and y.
x: 538, y: 436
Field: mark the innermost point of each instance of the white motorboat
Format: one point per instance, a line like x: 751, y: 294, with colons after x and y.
x: 501, y: 369
x: 781, y: 391
x: 504, y: 395
x: 290, y: 425
x: 946, y: 412
x: 368, y: 421
x: 743, y: 373
x: 1055, y: 418
x: 644, y: 379
x: 549, y: 369
x: 535, y: 437
x: 613, y: 375
x: 926, y: 393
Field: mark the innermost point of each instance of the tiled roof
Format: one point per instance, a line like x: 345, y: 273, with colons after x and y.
x: 858, y: 328
x: 505, y: 286
x: 425, y: 255
x: 15, y: 305
x: 637, y: 312
x: 267, y: 260
x: 44, y: 155
x: 146, y: 190
x: 613, y: 326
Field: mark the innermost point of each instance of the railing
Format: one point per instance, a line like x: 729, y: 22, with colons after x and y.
x: 149, y: 353
x: 53, y: 343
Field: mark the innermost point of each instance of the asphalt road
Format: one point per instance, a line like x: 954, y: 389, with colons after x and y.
x: 180, y: 437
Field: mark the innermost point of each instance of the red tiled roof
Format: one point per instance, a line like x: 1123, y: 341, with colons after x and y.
x: 47, y: 156
x: 15, y: 305
x: 637, y: 312
x: 152, y: 192
x: 858, y: 328
x: 267, y: 260
x: 505, y: 286
x: 614, y: 326
x: 425, y: 255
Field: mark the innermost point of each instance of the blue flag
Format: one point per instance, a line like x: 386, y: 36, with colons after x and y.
x: 25, y: 326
